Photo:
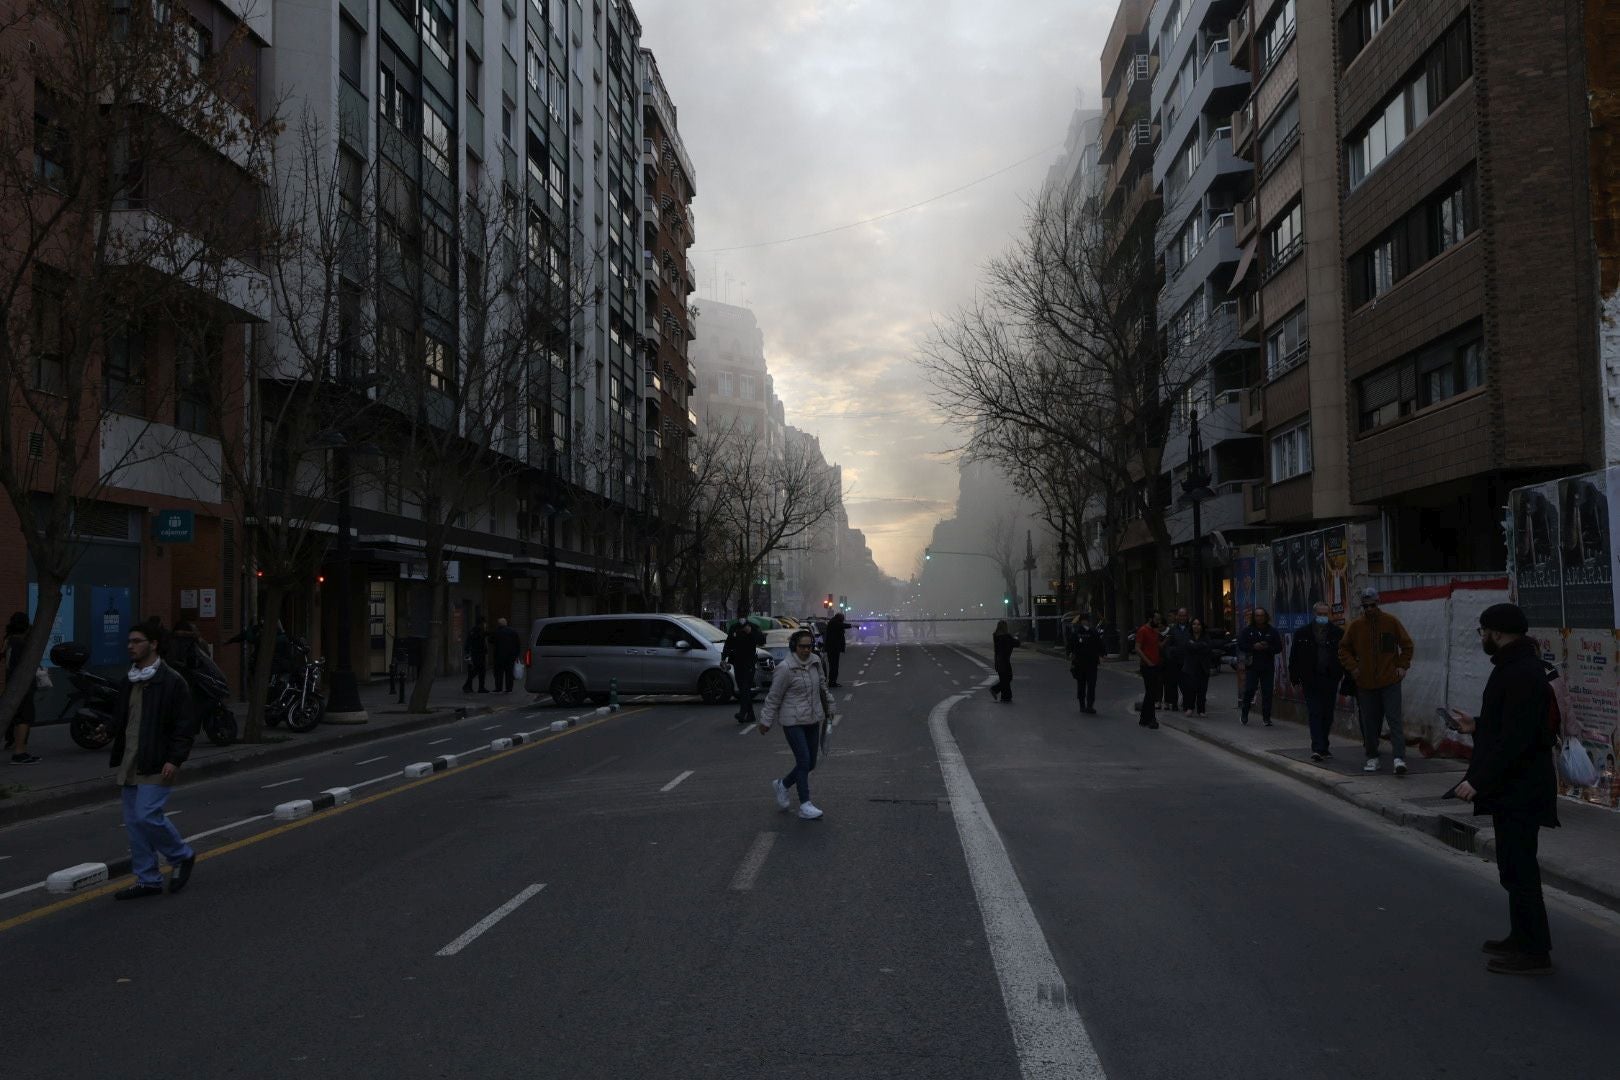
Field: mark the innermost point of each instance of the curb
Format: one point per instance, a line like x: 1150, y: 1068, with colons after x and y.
x: 20, y: 808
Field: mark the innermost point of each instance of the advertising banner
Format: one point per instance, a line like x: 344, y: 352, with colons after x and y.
x: 1336, y: 566
x: 1586, y: 555
x: 1535, y: 566
x: 111, y: 617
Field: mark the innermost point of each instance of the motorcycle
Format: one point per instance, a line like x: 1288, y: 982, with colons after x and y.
x: 299, y: 702
x: 90, y: 708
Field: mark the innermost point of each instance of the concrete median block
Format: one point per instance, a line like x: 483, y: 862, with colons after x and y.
x: 75, y: 878
x: 447, y: 761
x: 604, y: 710
x: 559, y: 725
x: 501, y: 744
x: 339, y: 795
x: 419, y: 769
x: 293, y: 811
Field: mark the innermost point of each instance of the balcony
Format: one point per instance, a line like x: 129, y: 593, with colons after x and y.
x: 1139, y: 76
x: 691, y: 275
x: 1243, y: 129
x: 141, y: 455
x: 1254, y: 502
x: 1244, y: 221
x: 649, y: 270
x: 649, y: 211
x: 1252, y: 410
x: 1249, y: 316
x: 691, y: 422
x: 1237, y: 32
x: 655, y: 441
x: 649, y: 156
x: 145, y: 242
x: 653, y: 382
x: 650, y: 328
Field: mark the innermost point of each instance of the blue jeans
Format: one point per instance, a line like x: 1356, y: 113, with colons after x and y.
x: 805, y: 740
x: 151, y: 833
x: 1376, y: 708
x: 1261, y: 674
x: 1319, y: 701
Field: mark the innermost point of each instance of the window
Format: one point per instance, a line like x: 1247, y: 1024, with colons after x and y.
x: 555, y: 183
x: 436, y: 251
x: 51, y: 159
x: 1186, y: 163
x: 196, y: 372
x: 50, y: 344
x: 1280, y: 133
x: 1288, y: 343
x: 474, y: 78
x: 556, y: 100
x: 728, y: 384
x: 1276, y: 34
x: 1359, y: 24
x: 1444, y: 68
x: 1172, y: 27
x: 351, y: 180
x: 1190, y: 241
x: 124, y: 372
x: 747, y: 388
x: 436, y: 140
x: 1439, y: 223
x: 351, y: 47
x: 199, y: 42
x: 1452, y: 215
x: 1285, y: 238
x: 534, y: 70
x: 436, y: 360
x: 1291, y: 453
x: 1443, y: 369
x: 439, y: 33
x: 396, y: 95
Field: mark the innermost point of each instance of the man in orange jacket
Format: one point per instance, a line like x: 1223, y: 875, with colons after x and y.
x: 1377, y: 653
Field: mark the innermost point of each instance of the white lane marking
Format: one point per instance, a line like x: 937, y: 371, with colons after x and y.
x: 3, y: 858
x: 371, y: 760
x: 753, y: 861
x: 746, y: 729
x: 1048, y: 1033
x: 676, y: 727
x: 848, y: 696
x: 24, y: 889
x: 488, y: 921
x: 436, y: 742
x: 281, y: 783
x: 492, y: 727
x: 671, y: 785
x: 375, y: 780
x: 225, y: 828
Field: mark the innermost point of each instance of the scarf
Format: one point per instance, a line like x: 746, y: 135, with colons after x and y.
x: 140, y: 675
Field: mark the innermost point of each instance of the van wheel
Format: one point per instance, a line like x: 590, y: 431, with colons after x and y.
x: 714, y: 688
x: 568, y: 689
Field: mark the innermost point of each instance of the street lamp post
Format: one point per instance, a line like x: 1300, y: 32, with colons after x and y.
x: 345, y: 705
x: 1195, y: 489
x: 1029, y: 579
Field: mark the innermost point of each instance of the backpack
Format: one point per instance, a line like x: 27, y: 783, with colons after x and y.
x: 1561, y: 722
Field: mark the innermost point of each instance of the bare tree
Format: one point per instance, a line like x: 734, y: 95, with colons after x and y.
x: 130, y: 168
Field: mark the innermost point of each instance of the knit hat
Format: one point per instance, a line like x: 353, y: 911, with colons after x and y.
x: 1369, y: 595
x: 1504, y: 619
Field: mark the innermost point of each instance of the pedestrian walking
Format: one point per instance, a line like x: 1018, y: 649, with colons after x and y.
x: 505, y: 646
x: 1003, y: 643
x: 739, y: 651
x: 1175, y: 639
x: 1511, y: 778
x: 23, y: 719
x: 150, y: 744
x: 1259, y: 644
x: 1148, y: 641
x: 476, y: 651
x: 798, y: 701
x: 1085, y: 656
x: 1377, y: 652
x: 1313, y: 666
x: 833, y: 643
x: 1197, y: 658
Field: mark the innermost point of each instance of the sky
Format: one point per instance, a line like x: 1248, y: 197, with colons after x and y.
x: 806, y: 115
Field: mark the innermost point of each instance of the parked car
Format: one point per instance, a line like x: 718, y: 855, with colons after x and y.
x: 576, y: 658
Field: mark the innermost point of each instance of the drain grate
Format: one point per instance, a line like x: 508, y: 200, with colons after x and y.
x: 1457, y: 834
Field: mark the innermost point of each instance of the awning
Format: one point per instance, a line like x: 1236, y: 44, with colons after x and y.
x: 1243, y: 263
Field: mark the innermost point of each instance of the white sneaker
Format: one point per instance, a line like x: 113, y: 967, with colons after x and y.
x: 781, y: 794
x: 808, y: 811
x: 1400, y: 767
x: 1371, y: 766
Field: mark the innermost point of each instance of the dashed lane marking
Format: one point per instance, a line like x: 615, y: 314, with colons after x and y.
x: 671, y: 785
x: 371, y: 760
x: 281, y: 783
x: 477, y: 929
x: 753, y: 862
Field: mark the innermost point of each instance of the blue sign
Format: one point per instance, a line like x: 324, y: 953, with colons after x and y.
x: 110, y: 620
x: 174, y: 526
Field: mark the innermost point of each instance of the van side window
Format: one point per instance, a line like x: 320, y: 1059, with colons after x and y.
x: 559, y: 633
x: 659, y: 634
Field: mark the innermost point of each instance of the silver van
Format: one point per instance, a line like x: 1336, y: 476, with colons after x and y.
x: 574, y: 658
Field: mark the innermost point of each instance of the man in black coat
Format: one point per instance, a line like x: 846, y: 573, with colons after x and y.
x: 739, y: 652
x: 153, y: 728
x: 1085, y: 656
x: 1511, y: 778
x: 833, y: 643
x: 477, y: 654
x: 1313, y: 666
x: 505, y: 646
x: 1176, y: 636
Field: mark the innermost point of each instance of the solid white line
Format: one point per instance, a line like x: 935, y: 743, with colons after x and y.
x: 753, y: 861
x: 24, y: 889
x: 1051, y: 1039
x: 371, y: 760
x: 488, y: 921
x: 281, y: 783
x: 671, y: 785
x: 224, y: 828
x: 436, y: 742
x: 374, y: 780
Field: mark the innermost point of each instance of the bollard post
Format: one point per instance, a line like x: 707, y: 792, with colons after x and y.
x: 613, y: 694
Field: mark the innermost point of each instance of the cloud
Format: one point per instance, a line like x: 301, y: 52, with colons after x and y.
x: 803, y: 115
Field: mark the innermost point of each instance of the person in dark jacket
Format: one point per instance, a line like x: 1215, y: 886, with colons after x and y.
x: 1511, y: 778
x: 504, y: 646
x: 1175, y: 637
x: 1313, y: 666
x: 154, y: 725
x: 832, y: 643
x: 1197, y: 654
x: 1004, y: 644
x: 476, y: 651
x: 1085, y: 656
x: 23, y: 719
x: 739, y: 651
x: 1259, y: 644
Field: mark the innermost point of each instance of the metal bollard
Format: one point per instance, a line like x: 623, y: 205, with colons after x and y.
x: 613, y: 694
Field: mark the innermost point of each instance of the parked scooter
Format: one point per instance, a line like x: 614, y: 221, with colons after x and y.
x: 89, y: 709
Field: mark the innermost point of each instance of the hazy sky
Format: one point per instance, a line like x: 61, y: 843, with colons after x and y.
x: 804, y: 115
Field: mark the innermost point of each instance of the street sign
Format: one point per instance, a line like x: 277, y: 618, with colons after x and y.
x: 174, y: 526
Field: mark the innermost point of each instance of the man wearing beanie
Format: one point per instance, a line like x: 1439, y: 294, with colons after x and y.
x: 1377, y: 652
x: 1511, y: 778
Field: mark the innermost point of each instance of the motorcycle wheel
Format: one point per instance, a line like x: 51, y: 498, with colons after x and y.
x: 305, y: 717
x: 220, y: 726
x: 90, y: 734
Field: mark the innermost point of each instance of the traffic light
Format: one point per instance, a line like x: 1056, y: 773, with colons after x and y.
x: 1006, y: 600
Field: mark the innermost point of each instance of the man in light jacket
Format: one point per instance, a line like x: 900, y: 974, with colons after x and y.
x: 798, y: 701
x: 1377, y: 652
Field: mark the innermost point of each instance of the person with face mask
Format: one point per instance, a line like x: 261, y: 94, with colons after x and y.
x: 1085, y: 656
x: 1313, y: 666
x: 1511, y: 778
x: 1259, y: 644
x: 1377, y: 652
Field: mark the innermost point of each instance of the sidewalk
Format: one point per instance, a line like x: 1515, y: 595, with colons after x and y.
x: 68, y: 775
x: 1581, y: 857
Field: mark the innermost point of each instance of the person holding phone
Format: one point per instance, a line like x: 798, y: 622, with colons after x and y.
x: 1511, y: 778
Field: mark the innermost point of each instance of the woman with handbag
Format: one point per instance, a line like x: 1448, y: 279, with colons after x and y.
x: 798, y: 700
x: 23, y: 718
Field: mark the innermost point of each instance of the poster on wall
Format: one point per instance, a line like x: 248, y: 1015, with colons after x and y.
x: 1614, y: 538
x: 1245, y: 594
x: 1586, y: 552
x: 1336, y: 567
x: 110, y: 619
x: 62, y: 628
x: 1537, y: 579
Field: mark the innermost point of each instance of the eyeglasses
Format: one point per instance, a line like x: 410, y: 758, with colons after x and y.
x: 1481, y: 631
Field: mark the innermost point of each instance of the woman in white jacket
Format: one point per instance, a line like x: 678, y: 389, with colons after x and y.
x: 798, y: 701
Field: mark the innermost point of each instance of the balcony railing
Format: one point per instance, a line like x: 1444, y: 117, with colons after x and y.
x: 1243, y: 219
x: 649, y: 155
x: 1237, y: 32
x: 650, y: 209
x: 1242, y: 126
x: 1219, y: 135
x: 1140, y: 135
x: 653, y: 382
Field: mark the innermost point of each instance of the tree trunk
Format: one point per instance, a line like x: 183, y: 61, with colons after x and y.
x: 264, y: 655
x: 435, y: 642
x: 33, y: 650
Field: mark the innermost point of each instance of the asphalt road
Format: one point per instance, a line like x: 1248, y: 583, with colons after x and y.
x: 624, y: 900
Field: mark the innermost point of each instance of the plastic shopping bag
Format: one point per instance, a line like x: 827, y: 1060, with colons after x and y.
x: 517, y: 673
x: 1577, y: 765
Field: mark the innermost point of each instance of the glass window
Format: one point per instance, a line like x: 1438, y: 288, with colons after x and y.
x: 1283, y: 238
x: 1276, y: 34
x: 1288, y: 342
x: 436, y: 140
x: 125, y: 372
x: 351, y: 46
x: 1291, y: 453
x: 1444, y: 68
